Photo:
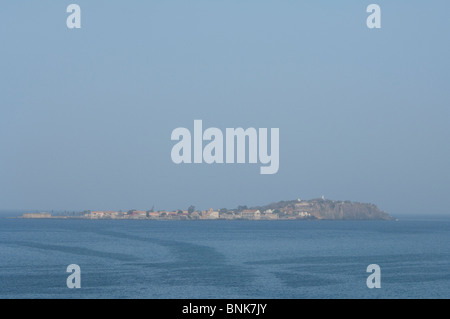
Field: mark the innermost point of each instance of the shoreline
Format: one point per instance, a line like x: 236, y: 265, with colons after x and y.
x: 195, y: 220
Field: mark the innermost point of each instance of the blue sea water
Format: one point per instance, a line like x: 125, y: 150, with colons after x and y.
x: 224, y: 259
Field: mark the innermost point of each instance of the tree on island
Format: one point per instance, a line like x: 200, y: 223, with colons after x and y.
x: 242, y: 207
x: 191, y: 209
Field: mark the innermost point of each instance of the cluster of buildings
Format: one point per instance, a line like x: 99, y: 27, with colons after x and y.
x: 224, y: 214
x: 285, y: 211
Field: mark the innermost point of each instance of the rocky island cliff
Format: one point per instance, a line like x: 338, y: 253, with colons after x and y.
x: 327, y: 209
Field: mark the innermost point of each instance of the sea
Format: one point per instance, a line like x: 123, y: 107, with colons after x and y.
x: 224, y: 259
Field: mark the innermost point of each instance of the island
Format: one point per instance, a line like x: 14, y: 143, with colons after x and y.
x: 314, y: 209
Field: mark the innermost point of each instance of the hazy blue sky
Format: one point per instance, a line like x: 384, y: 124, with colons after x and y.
x: 86, y: 115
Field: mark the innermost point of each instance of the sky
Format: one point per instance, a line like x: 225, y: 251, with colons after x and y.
x: 86, y: 114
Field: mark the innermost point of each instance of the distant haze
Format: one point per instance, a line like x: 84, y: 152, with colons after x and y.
x: 86, y: 114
